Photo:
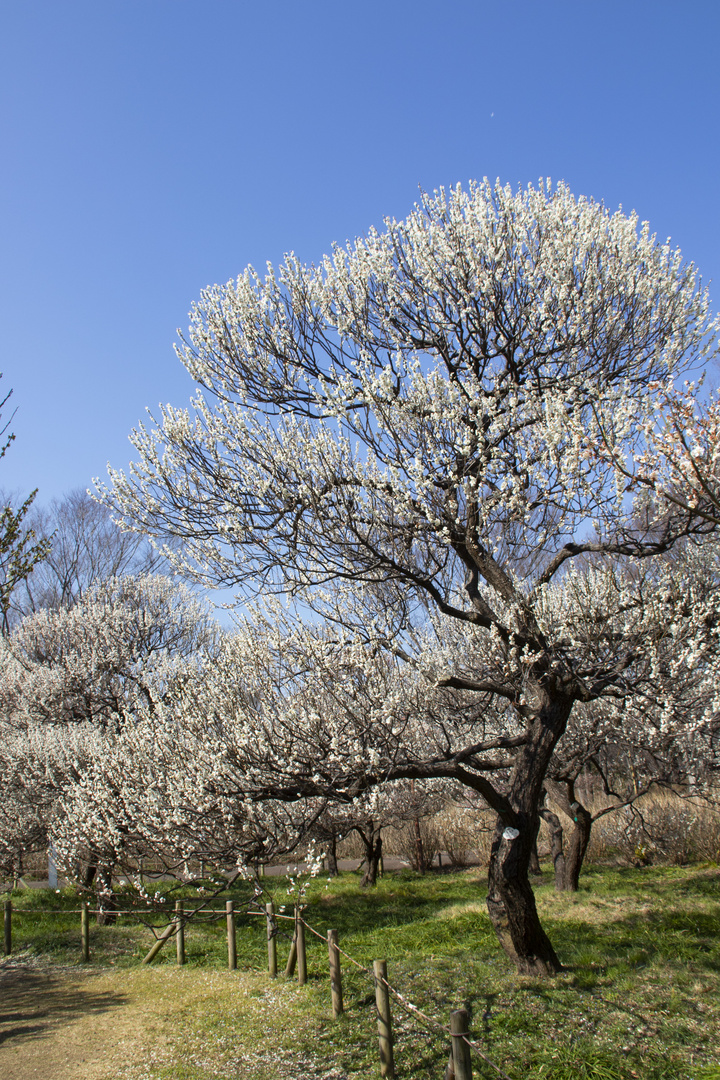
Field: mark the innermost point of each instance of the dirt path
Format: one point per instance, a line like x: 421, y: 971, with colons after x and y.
x: 63, y: 1024
x: 71, y: 1023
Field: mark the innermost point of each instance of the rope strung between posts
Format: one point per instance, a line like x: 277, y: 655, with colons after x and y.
x: 408, y: 1005
x: 276, y: 931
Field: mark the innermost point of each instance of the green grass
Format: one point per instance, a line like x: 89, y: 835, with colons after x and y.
x: 639, y: 997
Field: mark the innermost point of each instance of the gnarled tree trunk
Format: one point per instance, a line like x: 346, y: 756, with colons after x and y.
x: 577, y: 845
x: 579, y: 837
x: 556, y: 847
x: 511, y: 903
x: 371, y: 837
x: 332, y: 855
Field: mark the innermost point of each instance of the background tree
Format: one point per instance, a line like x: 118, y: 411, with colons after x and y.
x: 84, y: 548
x: 20, y: 549
x: 72, y: 680
x: 419, y: 416
x: 659, y: 726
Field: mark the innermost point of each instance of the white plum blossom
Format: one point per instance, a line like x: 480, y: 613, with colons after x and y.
x: 441, y: 420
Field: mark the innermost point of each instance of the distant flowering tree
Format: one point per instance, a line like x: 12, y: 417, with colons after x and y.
x: 661, y: 726
x: 442, y: 416
x: 295, y: 732
x: 72, y: 681
x: 280, y: 739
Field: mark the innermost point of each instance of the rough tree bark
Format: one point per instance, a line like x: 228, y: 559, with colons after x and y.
x: 371, y: 836
x: 579, y: 837
x: 332, y: 855
x: 556, y: 847
x: 535, y: 868
x: 511, y: 903
x: 577, y: 845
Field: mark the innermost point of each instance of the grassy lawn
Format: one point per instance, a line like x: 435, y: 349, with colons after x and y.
x: 640, y: 997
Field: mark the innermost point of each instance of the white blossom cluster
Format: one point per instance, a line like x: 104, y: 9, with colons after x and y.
x: 72, y: 681
x: 679, y: 459
x: 433, y: 395
x: 438, y: 439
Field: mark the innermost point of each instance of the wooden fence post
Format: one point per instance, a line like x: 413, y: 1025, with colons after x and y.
x: 459, y: 1022
x: 382, y: 1001
x: 231, y: 942
x: 85, y: 932
x: 300, y: 943
x: 335, y: 979
x: 180, y: 933
x: 8, y: 927
x: 271, y: 939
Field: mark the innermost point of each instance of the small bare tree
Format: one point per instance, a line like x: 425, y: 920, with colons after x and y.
x: 21, y: 549
x: 84, y: 547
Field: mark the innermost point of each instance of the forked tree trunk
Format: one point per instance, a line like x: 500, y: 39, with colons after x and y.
x: 511, y: 903
x: 577, y: 846
x: 556, y: 847
x: 567, y: 872
x: 372, y: 842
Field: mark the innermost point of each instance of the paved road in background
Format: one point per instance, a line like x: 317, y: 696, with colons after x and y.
x: 278, y: 870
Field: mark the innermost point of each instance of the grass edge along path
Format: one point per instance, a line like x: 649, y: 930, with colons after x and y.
x: 639, y: 999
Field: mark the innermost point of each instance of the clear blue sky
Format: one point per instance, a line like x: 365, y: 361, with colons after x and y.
x: 152, y: 147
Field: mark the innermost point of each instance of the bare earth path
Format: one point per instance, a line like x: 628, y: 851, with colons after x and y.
x: 59, y: 1023
x: 70, y: 1023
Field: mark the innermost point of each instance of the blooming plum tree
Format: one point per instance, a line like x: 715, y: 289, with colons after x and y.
x: 72, y: 680
x: 420, y: 417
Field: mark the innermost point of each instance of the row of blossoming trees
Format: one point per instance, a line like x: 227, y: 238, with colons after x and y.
x: 457, y: 448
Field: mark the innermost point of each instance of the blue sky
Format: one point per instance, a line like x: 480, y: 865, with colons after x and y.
x: 153, y: 147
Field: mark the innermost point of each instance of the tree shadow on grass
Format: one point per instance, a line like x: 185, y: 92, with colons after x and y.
x: 34, y: 1001
x: 401, y: 898
x: 671, y: 936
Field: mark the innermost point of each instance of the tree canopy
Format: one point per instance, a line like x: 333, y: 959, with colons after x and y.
x: 448, y: 416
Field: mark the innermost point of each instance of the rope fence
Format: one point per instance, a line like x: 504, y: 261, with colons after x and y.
x: 457, y: 1033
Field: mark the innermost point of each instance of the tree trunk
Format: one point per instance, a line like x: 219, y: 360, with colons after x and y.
x: 556, y: 847
x: 87, y: 873
x: 332, y: 855
x: 87, y: 868
x: 372, y: 841
x: 579, y: 837
x: 577, y: 846
x: 510, y: 901
x: 535, y: 868
x: 107, y: 904
x: 419, y: 852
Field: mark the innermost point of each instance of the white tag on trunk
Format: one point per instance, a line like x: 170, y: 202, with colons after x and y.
x: 510, y: 834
